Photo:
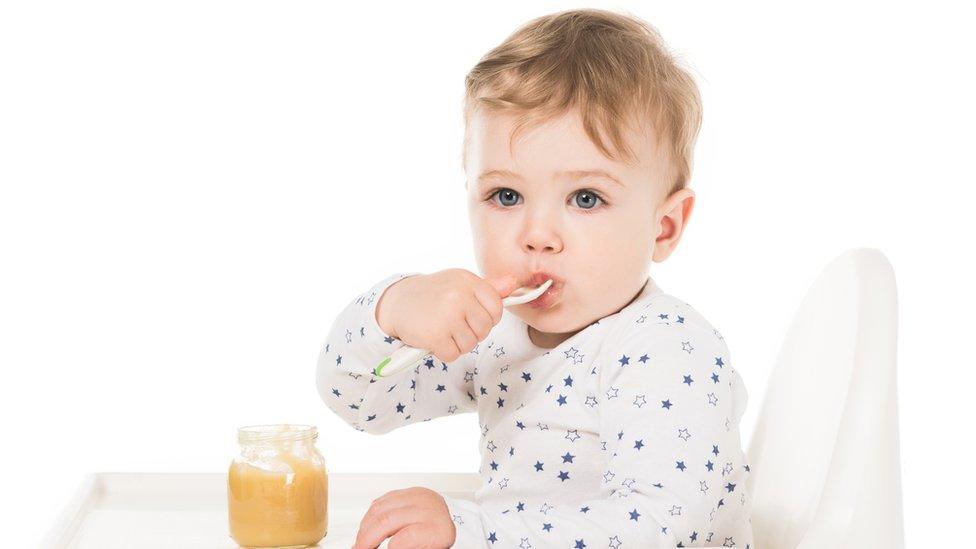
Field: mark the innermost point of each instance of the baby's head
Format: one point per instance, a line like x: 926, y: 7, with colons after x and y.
x: 579, y: 135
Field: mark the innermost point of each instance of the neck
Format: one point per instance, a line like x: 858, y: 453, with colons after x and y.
x: 547, y: 340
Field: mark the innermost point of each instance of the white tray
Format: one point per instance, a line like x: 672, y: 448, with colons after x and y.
x: 189, y: 510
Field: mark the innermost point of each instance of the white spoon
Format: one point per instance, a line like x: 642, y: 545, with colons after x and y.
x: 406, y: 357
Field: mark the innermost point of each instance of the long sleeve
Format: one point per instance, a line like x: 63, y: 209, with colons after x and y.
x: 345, y: 380
x: 674, y: 472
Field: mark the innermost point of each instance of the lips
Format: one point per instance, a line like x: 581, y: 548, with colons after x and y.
x: 549, y: 297
x: 537, y: 278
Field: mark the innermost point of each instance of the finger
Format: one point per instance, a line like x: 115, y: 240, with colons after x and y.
x: 464, y: 337
x: 376, y: 527
x: 480, y: 321
x: 503, y: 285
x: 409, y: 537
x: 447, y: 351
x: 489, y: 299
x: 387, y: 501
x: 394, y: 499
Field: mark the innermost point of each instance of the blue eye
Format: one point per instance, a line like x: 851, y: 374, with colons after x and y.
x: 585, y: 199
x: 508, y: 197
x: 589, y: 200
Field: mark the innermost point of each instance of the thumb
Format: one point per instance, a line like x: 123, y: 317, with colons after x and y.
x: 504, y: 285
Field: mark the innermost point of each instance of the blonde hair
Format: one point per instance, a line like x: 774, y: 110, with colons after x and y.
x: 608, y: 65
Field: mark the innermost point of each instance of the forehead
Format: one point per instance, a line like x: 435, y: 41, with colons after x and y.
x: 558, y: 144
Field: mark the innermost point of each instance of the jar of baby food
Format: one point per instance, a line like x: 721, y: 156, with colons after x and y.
x: 278, y: 488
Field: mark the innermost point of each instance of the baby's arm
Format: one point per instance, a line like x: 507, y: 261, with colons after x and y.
x: 674, y: 471
x: 345, y: 380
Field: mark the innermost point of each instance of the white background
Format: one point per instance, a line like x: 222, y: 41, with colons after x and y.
x: 191, y: 191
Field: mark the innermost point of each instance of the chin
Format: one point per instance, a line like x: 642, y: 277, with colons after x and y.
x: 552, y: 320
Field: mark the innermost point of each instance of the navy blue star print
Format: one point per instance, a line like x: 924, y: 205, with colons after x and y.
x: 591, y: 458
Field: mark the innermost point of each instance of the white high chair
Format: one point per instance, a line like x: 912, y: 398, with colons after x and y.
x: 824, y: 455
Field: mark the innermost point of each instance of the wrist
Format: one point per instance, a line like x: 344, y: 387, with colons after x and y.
x: 385, y: 308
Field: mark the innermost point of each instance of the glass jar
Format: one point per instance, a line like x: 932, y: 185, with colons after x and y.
x: 278, y: 488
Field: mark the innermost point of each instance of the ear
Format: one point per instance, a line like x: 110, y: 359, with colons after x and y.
x: 672, y: 218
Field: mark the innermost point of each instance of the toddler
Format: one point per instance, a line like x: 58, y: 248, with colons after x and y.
x: 609, y: 409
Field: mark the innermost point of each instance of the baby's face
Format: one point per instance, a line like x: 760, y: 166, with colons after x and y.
x: 541, y: 210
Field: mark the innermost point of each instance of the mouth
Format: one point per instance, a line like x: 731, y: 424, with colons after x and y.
x: 549, y: 297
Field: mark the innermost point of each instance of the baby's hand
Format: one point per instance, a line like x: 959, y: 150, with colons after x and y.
x: 447, y: 312
x: 412, y: 517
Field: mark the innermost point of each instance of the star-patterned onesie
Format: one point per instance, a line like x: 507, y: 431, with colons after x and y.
x: 624, y: 435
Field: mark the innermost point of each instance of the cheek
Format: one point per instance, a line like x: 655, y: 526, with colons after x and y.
x: 637, y: 230
x: 491, y: 228
x: 490, y: 242
x: 610, y: 254
x: 480, y: 226
x: 602, y: 243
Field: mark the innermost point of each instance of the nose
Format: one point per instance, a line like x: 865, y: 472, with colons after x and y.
x: 541, y: 236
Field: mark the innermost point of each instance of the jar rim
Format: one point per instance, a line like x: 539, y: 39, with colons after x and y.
x: 279, y: 432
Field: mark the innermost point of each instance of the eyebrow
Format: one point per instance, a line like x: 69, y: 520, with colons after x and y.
x: 575, y: 174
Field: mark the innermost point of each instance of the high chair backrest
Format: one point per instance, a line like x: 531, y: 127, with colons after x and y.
x: 824, y: 455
